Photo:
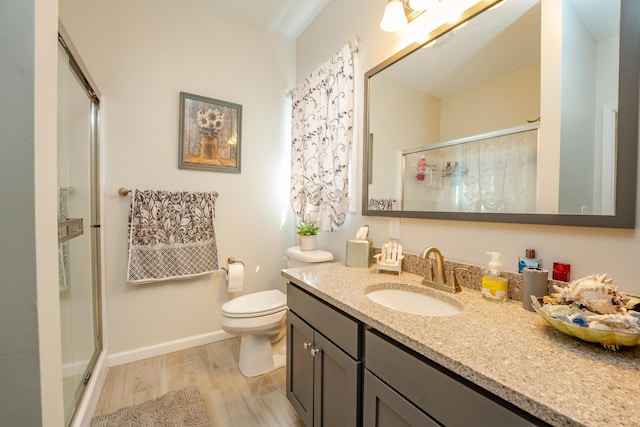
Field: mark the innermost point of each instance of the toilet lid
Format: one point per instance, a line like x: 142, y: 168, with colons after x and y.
x: 255, y: 304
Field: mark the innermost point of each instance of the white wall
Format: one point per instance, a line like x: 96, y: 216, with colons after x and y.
x: 393, y: 105
x: 45, y: 127
x: 579, y: 83
x: 141, y: 55
x: 512, y: 99
x: 606, y: 100
x: 588, y: 250
x: 550, y: 105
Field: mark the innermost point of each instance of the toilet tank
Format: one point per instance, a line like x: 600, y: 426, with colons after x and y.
x: 298, y: 258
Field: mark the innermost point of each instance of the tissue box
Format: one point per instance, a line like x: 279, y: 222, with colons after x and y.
x: 359, y: 253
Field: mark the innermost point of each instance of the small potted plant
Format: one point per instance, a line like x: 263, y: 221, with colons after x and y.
x: 307, y: 234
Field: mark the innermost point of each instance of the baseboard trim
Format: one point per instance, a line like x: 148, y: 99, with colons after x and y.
x: 89, y: 402
x: 166, y: 347
x: 74, y: 369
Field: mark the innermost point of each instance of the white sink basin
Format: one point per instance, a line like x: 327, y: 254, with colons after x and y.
x: 412, y: 302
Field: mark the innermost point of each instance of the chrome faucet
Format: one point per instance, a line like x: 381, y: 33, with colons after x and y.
x: 435, y: 277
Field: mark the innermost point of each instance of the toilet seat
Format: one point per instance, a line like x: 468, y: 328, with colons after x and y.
x: 255, y: 304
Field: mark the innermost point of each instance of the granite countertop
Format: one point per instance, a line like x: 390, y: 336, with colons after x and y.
x: 503, y: 348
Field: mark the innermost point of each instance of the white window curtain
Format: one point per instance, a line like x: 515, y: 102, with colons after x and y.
x: 322, y: 136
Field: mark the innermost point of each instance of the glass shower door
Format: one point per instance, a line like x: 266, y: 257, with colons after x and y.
x: 77, y: 232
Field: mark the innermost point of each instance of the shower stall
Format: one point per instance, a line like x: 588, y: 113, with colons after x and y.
x: 78, y: 228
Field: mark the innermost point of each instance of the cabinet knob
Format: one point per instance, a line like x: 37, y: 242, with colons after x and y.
x: 307, y: 345
x: 314, y: 351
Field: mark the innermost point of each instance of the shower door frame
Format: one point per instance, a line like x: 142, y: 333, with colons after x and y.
x: 94, y: 226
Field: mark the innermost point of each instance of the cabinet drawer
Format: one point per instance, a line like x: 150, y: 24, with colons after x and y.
x: 443, y: 395
x: 338, y: 327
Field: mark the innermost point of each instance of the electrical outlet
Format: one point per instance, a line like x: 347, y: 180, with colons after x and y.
x: 394, y: 228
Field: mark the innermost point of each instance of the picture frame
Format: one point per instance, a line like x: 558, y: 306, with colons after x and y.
x: 209, y: 134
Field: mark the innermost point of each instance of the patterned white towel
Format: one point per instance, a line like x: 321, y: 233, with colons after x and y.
x: 380, y: 204
x: 171, y: 235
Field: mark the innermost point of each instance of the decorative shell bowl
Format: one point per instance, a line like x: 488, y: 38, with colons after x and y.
x: 593, y: 310
x: 611, y: 340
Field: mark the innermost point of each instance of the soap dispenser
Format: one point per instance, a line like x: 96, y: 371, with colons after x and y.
x: 494, y: 286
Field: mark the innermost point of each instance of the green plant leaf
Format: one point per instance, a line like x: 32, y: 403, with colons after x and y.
x: 310, y: 229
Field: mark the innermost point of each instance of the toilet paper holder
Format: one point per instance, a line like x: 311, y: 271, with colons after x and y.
x: 231, y: 260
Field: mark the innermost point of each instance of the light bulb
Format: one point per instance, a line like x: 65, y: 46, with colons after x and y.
x: 394, y: 18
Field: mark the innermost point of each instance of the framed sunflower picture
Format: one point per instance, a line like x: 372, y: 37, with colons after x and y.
x: 209, y: 134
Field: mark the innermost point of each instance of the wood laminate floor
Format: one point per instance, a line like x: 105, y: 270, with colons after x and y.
x: 231, y: 399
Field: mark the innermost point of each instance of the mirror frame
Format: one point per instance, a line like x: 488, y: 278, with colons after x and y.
x: 627, y: 154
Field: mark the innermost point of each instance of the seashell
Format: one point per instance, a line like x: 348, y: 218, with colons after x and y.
x: 620, y: 322
x: 599, y: 326
x: 595, y: 292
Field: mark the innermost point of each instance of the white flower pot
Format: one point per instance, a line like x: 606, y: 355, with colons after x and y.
x: 308, y: 243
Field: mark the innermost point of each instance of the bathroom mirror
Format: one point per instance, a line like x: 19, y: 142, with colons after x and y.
x: 569, y: 70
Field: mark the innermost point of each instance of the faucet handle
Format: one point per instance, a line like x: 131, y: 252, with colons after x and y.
x: 429, y: 275
x: 453, y: 278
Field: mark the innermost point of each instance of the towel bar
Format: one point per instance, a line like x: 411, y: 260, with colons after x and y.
x: 125, y: 192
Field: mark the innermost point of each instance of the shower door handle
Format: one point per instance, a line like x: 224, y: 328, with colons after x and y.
x: 70, y: 228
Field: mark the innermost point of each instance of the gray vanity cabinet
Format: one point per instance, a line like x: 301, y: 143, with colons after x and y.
x: 323, y: 362
x: 404, y: 389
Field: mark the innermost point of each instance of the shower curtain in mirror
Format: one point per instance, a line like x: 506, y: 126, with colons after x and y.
x: 322, y: 135
x: 500, y: 174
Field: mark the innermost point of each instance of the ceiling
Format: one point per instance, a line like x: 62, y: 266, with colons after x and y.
x: 286, y: 17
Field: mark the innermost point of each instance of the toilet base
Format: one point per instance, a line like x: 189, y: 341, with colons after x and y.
x: 258, y: 355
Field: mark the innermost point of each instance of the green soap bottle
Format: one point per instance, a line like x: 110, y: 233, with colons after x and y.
x: 494, y: 286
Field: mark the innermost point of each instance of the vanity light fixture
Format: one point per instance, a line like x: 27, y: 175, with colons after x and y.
x: 398, y: 13
x: 394, y: 18
x: 420, y: 5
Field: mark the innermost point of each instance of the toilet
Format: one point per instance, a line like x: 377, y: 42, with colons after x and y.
x: 259, y: 320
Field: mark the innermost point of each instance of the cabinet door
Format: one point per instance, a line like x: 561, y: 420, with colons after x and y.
x: 300, y: 367
x: 336, y: 388
x: 383, y: 407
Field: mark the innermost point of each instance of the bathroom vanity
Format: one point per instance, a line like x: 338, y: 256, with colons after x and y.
x: 491, y: 364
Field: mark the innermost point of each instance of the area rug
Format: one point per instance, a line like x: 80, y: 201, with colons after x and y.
x: 182, y: 408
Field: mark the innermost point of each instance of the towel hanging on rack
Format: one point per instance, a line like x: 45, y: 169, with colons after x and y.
x: 171, y: 235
